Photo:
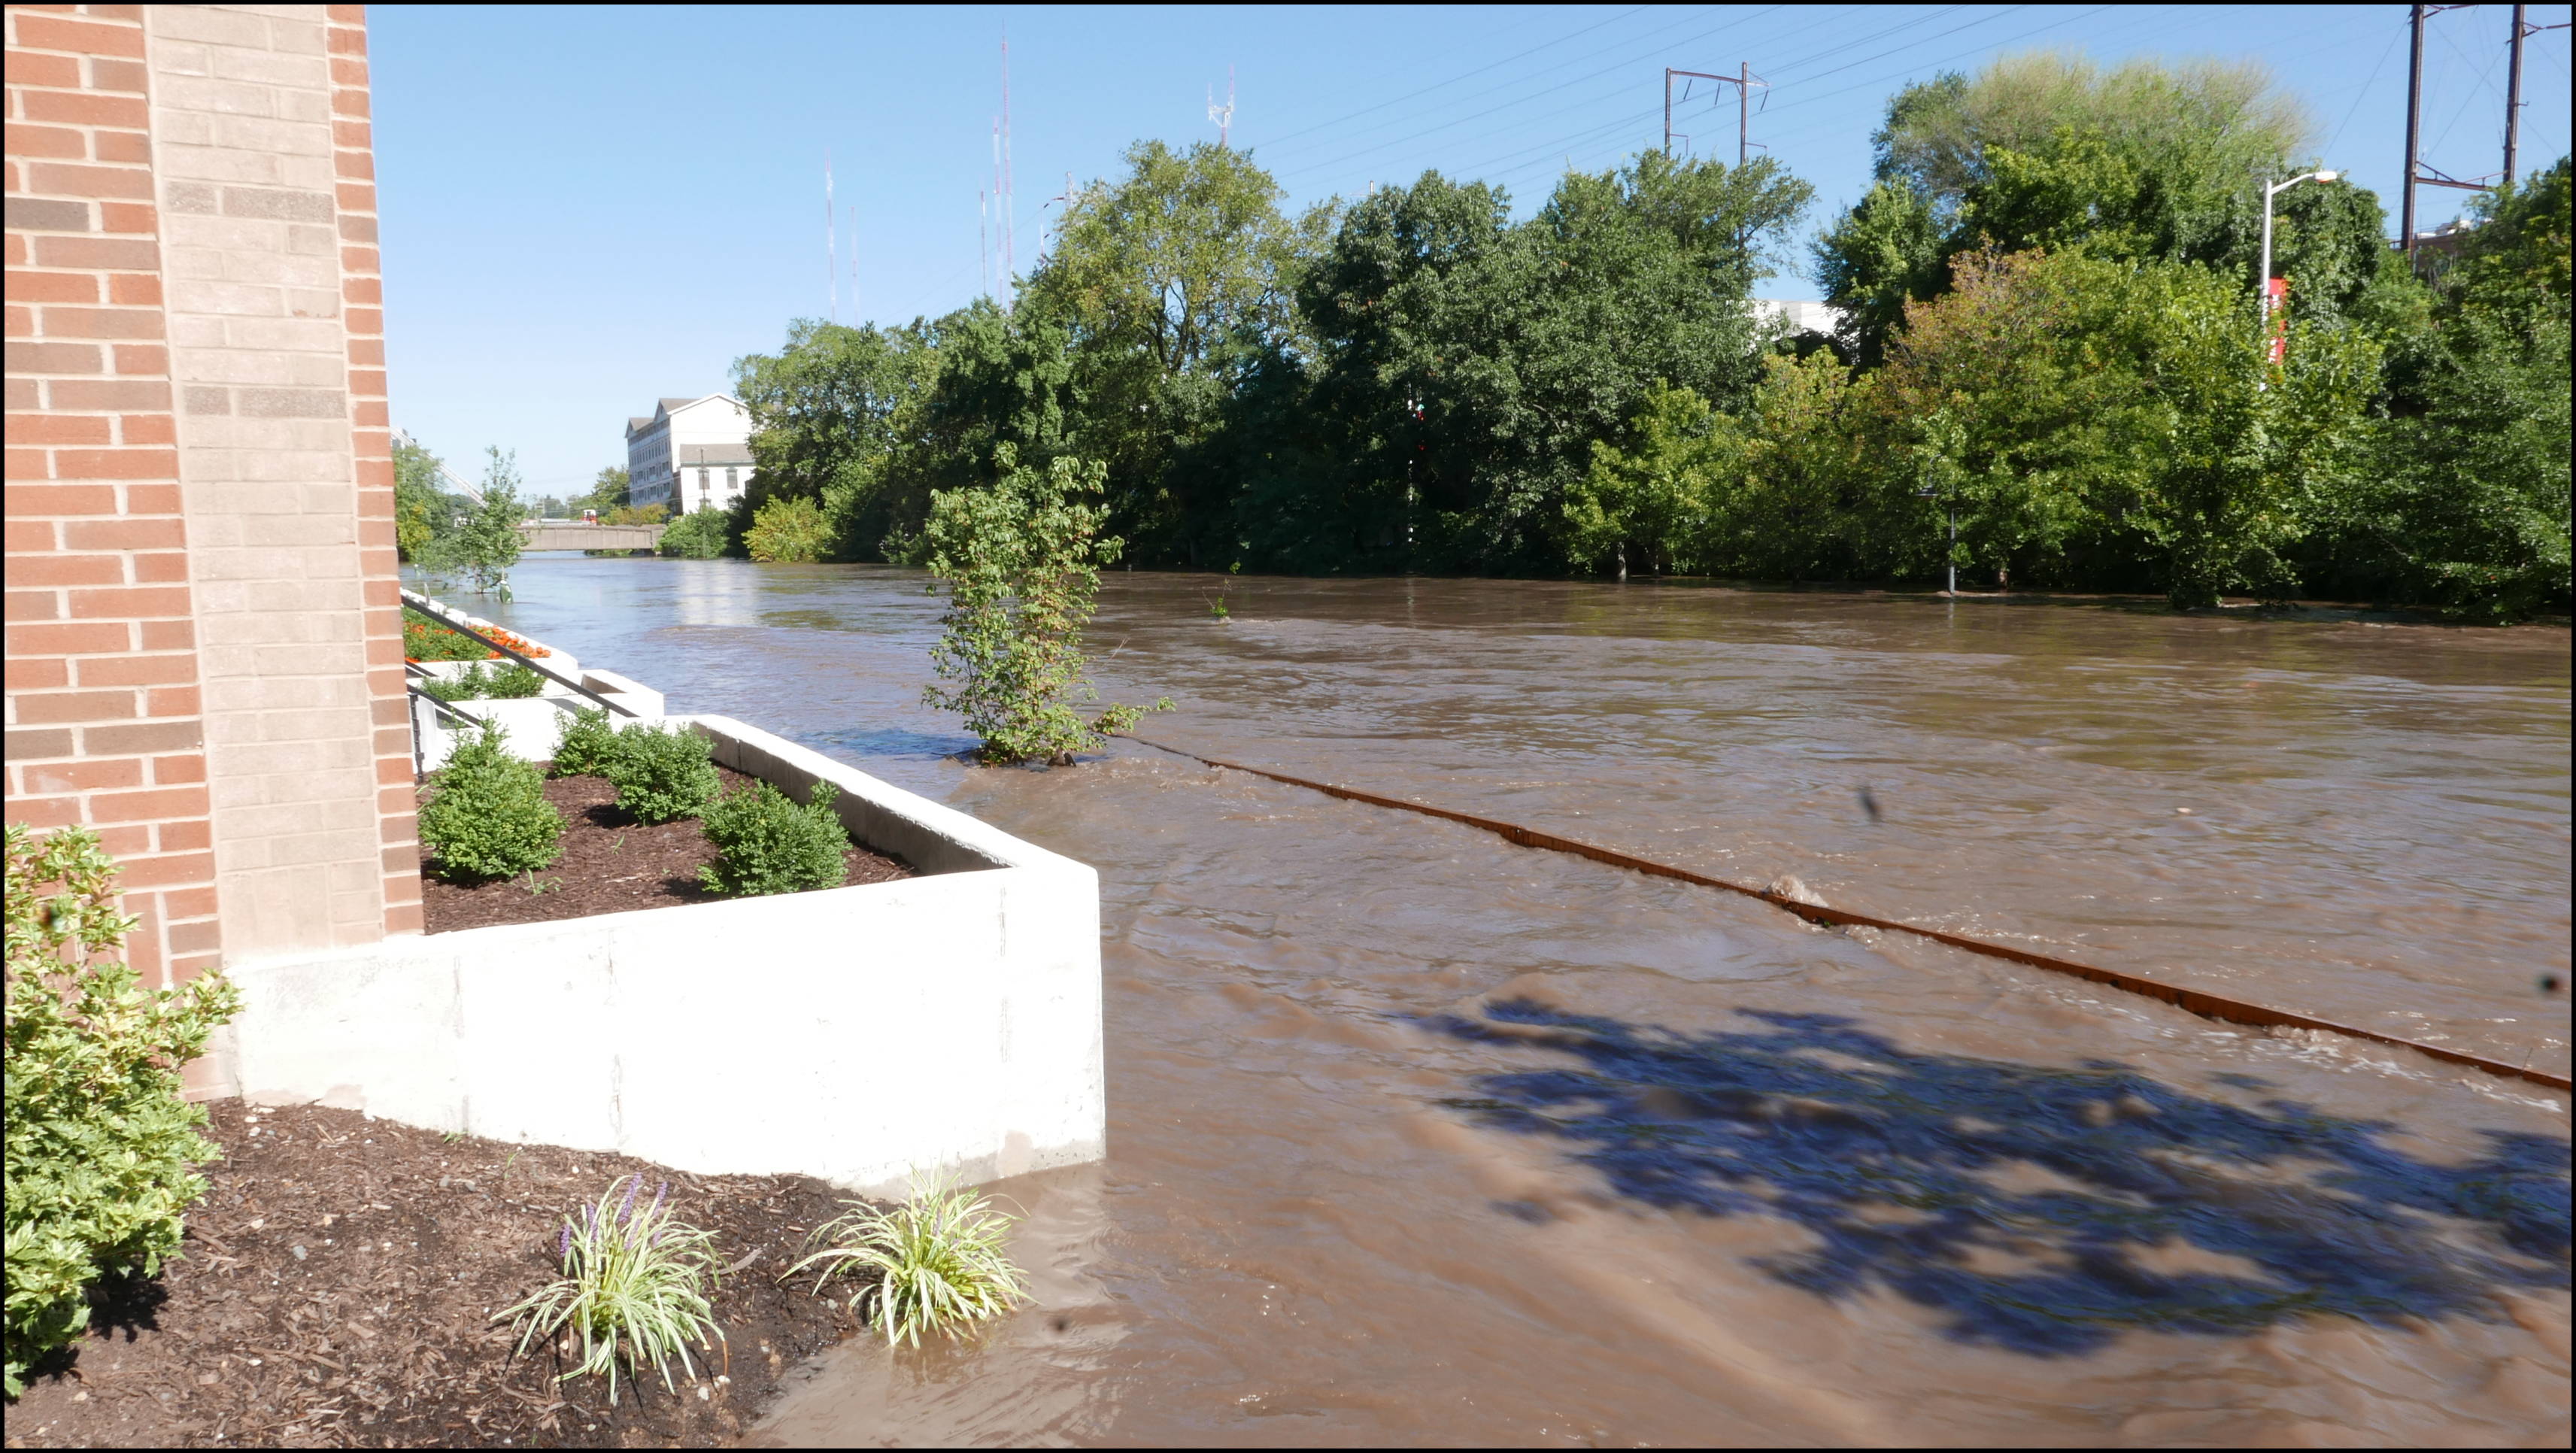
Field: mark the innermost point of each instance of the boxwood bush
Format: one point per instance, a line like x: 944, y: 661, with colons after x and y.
x: 101, y: 1146
x: 663, y: 773
x: 765, y: 843
x: 487, y: 683
x: 590, y: 741
x: 487, y: 815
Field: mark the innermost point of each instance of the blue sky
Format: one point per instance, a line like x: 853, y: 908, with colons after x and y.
x: 585, y: 208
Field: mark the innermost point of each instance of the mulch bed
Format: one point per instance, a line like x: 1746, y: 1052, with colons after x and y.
x: 337, y: 1287
x: 610, y: 863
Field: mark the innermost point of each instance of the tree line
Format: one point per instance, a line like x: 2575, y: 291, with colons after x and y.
x: 2049, y: 334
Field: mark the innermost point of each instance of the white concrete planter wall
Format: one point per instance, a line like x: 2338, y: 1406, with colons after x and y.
x: 944, y: 1023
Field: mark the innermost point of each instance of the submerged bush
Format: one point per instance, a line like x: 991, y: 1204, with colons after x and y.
x: 765, y: 843
x: 634, y: 1287
x: 789, y: 530
x: 939, y: 1257
x: 590, y: 741
x: 100, y: 1144
x: 701, y: 536
x: 663, y: 773
x: 487, y: 815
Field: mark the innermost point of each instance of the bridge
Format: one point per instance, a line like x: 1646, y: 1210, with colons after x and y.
x: 574, y: 535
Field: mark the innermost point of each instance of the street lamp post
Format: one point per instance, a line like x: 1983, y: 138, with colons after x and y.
x: 2263, y: 282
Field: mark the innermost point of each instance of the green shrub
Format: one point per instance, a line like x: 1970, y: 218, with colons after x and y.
x: 940, y: 1259
x: 634, y: 1287
x: 701, y: 536
x: 487, y: 815
x: 765, y: 843
x: 487, y: 683
x: 100, y: 1144
x: 590, y: 741
x: 664, y: 773
x: 789, y: 530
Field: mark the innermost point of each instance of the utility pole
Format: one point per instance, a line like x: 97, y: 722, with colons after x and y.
x: 2523, y: 30
x: 1744, y: 82
x: 2414, y: 125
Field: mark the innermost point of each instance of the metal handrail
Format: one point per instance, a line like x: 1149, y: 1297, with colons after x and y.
x: 430, y: 610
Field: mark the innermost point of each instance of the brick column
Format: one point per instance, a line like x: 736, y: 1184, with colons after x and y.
x: 104, y: 722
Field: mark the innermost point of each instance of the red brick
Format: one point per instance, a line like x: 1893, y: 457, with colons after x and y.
x: 125, y: 843
x: 44, y: 32
x: 198, y: 937
x: 43, y: 812
x: 403, y: 917
x: 367, y: 351
x: 85, y: 776
x: 348, y: 101
x: 73, y: 179
x: 61, y: 569
x: 25, y: 464
x: 32, y: 745
x: 21, y: 321
x: 134, y: 218
x: 346, y: 72
x: 134, y: 289
x: 179, y: 767
x: 108, y: 75
x: 38, y: 673
x: 170, y: 701
x: 151, y: 804
x: 26, y: 429
x: 83, y: 108
x: 131, y: 146
x: 45, y: 708
x: 354, y: 290
x: 161, y: 567
x: 152, y: 499
x: 34, y: 605
x: 105, y: 394
x: 188, y: 868
x: 357, y: 197
x: 116, y: 463
x: 192, y: 901
x: 30, y: 534
x: 129, y: 602
x: 54, y: 141
x: 140, y: 429
x: 358, y: 135
x: 69, y: 322
x: 28, y: 286
x: 127, y: 253
x: 142, y: 358
x: 144, y: 737
x: 118, y: 12
x: 67, y: 638
x: 147, y: 670
x: 169, y: 635
x: 346, y: 14
x: 54, y: 358
x: 60, y: 499
x: 27, y: 69
x: 369, y: 382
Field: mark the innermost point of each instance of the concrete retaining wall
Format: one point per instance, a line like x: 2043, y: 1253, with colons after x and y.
x: 949, y: 1022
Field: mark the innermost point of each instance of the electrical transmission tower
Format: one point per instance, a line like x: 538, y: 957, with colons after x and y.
x: 1743, y: 82
x: 1223, y: 115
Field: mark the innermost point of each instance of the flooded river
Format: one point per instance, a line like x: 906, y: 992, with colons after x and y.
x: 1420, y: 1137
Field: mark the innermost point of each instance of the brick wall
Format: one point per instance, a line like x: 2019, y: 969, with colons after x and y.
x: 203, y: 631
x: 104, y: 720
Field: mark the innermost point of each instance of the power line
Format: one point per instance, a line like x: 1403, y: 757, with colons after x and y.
x: 1453, y: 80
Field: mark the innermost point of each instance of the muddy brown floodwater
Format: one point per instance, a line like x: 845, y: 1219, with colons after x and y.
x: 1420, y: 1137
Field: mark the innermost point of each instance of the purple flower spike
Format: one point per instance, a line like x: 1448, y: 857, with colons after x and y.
x: 563, y: 1251
x: 626, y: 1208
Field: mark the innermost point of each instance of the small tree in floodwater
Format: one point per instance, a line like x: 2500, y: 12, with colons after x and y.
x: 1022, y: 560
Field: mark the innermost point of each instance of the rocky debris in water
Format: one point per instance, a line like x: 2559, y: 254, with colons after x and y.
x: 1786, y: 886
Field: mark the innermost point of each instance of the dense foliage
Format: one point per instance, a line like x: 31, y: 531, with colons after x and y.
x: 663, y: 773
x: 513, y: 681
x: 703, y: 535
x: 1021, y: 560
x: 486, y: 815
x: 588, y: 744
x: 100, y: 1144
x: 2046, y: 324
x: 766, y: 843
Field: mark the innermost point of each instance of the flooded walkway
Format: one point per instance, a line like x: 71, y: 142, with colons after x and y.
x: 1419, y: 1137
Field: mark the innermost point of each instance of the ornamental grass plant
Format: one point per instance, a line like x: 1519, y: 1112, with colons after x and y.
x: 633, y: 1289
x: 765, y: 843
x: 940, y: 1258
x: 101, y: 1146
x: 487, y: 815
x: 663, y: 773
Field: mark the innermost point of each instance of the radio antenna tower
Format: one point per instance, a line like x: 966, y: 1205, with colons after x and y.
x: 831, y: 248
x: 983, y: 240
x: 854, y: 264
x: 1010, y: 193
x: 1223, y: 115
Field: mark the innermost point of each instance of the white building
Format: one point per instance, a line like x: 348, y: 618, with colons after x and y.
x: 689, y: 455
x: 1802, y: 315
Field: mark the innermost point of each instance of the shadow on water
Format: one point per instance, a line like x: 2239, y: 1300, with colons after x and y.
x: 2040, y: 1210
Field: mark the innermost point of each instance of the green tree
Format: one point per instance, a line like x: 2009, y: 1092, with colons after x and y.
x: 422, y: 511
x: 487, y: 544
x: 1021, y: 560
x: 1169, y: 283
x: 608, y: 491
x: 703, y: 535
x: 829, y: 411
x: 789, y: 530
